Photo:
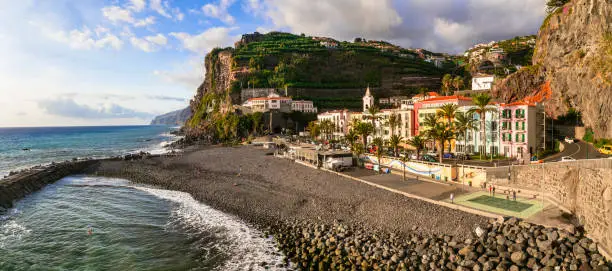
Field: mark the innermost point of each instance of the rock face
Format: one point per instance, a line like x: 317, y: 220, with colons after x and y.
x: 177, y: 117
x: 574, y: 55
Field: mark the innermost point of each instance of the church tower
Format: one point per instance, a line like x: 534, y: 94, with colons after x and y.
x: 368, y: 100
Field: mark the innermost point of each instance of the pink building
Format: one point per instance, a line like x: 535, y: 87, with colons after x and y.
x: 521, y: 129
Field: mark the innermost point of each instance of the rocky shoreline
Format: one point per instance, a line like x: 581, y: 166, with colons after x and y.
x: 322, y: 221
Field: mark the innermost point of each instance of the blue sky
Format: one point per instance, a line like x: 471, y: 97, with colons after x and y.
x: 91, y: 62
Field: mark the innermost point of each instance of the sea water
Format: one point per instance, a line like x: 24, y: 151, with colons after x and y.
x: 26, y: 147
x: 92, y: 223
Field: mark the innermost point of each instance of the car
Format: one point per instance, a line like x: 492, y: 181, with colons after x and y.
x: 606, y: 149
x: 567, y: 159
x: 569, y: 139
x: 448, y: 156
x: 428, y: 158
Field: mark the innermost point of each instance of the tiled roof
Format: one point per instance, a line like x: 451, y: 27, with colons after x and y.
x: 269, y: 98
x: 445, y: 98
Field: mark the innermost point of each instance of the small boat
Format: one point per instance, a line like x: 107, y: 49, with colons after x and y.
x: 25, y: 149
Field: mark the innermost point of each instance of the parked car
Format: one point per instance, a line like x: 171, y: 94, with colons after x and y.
x: 569, y: 139
x: 463, y: 156
x: 428, y: 158
x: 606, y: 149
x: 567, y: 158
x: 448, y: 156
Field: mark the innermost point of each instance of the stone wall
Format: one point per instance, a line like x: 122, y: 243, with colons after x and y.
x: 583, y: 187
x: 19, y: 185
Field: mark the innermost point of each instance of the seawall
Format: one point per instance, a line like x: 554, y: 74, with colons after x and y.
x: 19, y: 185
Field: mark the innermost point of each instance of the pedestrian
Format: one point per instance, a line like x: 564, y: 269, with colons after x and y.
x: 508, y: 196
x: 490, y: 190
x: 452, y: 197
x: 493, y: 190
x: 514, y: 195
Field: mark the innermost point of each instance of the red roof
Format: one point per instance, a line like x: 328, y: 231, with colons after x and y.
x: 269, y: 98
x: 518, y: 103
x: 447, y: 98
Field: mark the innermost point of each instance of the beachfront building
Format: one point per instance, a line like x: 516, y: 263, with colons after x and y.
x: 430, y: 107
x: 303, y: 106
x: 471, y: 142
x: 271, y: 102
x: 340, y: 119
x: 521, y: 131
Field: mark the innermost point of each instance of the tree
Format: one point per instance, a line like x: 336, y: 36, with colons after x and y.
x: 364, y: 129
x: 351, y: 137
x: 464, y: 123
x: 447, y: 81
x: 448, y: 112
x: 429, y: 123
x: 373, y: 116
x: 458, y: 82
x: 379, y: 143
x: 394, y: 121
x: 418, y: 142
x: 314, y: 129
x: 327, y: 128
x: 481, y: 103
x: 442, y: 132
x: 257, y: 122
x: 394, y: 142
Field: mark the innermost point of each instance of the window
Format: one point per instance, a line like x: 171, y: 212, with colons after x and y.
x: 523, y: 135
x: 517, y: 125
x: 523, y: 126
x: 516, y: 138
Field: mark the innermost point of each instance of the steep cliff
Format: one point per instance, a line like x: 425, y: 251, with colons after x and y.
x: 177, y: 117
x: 574, y: 55
x: 314, y: 68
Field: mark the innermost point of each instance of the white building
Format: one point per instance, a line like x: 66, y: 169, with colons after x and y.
x: 303, y: 106
x: 272, y: 102
x: 368, y: 100
x: 482, y: 82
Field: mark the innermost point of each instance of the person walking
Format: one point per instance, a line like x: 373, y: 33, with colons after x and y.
x: 452, y: 197
x: 514, y: 195
x: 493, y: 190
x: 490, y: 190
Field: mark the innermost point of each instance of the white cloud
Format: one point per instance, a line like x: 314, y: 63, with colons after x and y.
x: 144, y: 22
x: 159, y: 8
x: 176, y: 12
x: 149, y: 43
x: 343, y: 19
x: 66, y: 107
x: 117, y: 14
x: 189, y: 73
x: 158, y: 39
x: 85, y: 39
x: 137, y: 5
x: 219, y: 11
x: 207, y: 40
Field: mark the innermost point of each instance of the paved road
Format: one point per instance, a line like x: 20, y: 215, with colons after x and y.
x: 577, y: 150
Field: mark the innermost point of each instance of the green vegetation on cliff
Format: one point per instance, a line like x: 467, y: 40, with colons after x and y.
x: 285, y: 60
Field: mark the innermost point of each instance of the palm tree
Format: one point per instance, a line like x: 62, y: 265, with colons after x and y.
x: 327, y: 128
x: 394, y: 142
x: 418, y: 142
x: 448, y: 112
x: 447, y: 81
x: 314, y: 129
x: 351, y: 137
x: 364, y: 129
x: 481, y: 103
x: 429, y: 123
x: 442, y: 132
x: 379, y: 143
x: 373, y: 111
x: 458, y: 82
x: 464, y: 123
x: 394, y: 121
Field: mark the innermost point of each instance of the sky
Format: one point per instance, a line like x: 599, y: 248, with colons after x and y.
x: 121, y: 62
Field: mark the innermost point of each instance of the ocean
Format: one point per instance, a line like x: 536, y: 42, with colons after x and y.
x: 26, y: 147
x: 95, y: 223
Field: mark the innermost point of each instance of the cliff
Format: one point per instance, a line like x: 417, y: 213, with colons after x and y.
x: 573, y: 55
x: 177, y: 117
x: 313, y: 68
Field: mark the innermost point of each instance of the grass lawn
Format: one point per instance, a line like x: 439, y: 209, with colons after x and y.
x: 522, y: 207
x: 510, y: 205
